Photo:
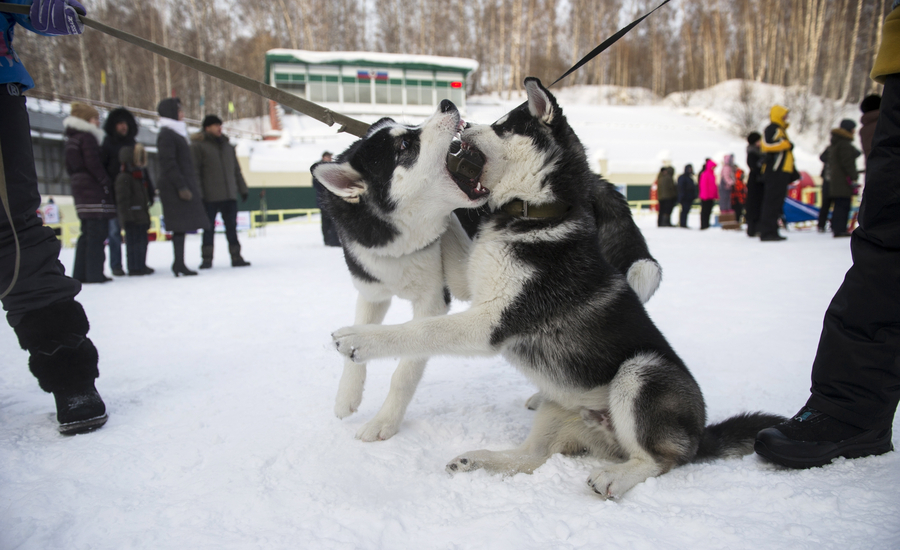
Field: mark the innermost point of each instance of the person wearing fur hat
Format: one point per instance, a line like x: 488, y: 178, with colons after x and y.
x: 179, y: 190
x: 91, y: 191
x: 38, y: 297
x: 120, y: 128
x: 842, y: 175
x: 221, y: 182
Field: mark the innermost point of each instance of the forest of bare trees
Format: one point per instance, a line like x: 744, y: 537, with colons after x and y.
x: 823, y: 47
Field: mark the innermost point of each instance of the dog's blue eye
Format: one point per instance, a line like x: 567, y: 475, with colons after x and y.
x: 403, y: 144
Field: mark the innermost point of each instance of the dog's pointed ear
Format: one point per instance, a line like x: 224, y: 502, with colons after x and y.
x: 541, y: 104
x: 341, y: 179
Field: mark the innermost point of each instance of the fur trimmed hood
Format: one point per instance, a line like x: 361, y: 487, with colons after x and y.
x: 115, y: 117
x: 79, y: 125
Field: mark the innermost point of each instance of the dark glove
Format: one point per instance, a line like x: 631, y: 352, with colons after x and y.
x: 57, y: 17
x: 185, y: 194
x: 244, y: 197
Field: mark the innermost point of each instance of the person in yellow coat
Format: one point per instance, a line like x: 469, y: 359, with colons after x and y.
x: 778, y: 173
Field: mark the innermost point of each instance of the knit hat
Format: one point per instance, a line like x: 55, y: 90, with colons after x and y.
x: 169, y: 107
x: 83, y: 111
x: 209, y: 120
x: 753, y: 137
x: 870, y: 103
x: 848, y: 125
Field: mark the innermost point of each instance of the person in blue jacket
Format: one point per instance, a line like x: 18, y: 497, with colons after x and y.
x: 36, y: 294
x: 687, y: 192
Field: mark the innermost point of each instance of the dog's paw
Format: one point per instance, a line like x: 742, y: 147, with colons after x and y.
x: 534, y: 401
x: 613, y: 481
x: 377, y: 430
x: 350, y: 390
x: 463, y: 463
x: 350, y: 342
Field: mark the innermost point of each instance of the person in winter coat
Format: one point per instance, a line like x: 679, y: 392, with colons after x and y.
x: 329, y: 229
x: 870, y: 108
x: 120, y: 128
x: 726, y: 183
x: 708, y: 190
x: 778, y: 172
x: 91, y: 191
x: 38, y: 297
x: 739, y: 195
x: 855, y: 374
x: 666, y: 194
x: 754, y: 182
x: 179, y: 190
x: 827, y: 202
x: 687, y: 192
x: 133, y: 205
x: 221, y: 181
x: 842, y: 175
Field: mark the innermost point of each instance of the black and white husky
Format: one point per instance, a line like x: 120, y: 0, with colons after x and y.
x: 392, y: 197
x: 543, y: 296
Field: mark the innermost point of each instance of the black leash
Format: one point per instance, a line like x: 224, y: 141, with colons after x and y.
x: 607, y: 43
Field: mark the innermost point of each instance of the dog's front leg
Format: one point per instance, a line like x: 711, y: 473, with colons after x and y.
x: 353, y: 379
x: 466, y: 333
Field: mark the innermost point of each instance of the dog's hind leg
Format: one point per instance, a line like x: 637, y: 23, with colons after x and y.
x: 353, y: 379
x: 554, y: 431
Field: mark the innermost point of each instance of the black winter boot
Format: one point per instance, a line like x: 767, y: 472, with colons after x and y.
x: 236, y: 260
x: 178, y: 267
x: 206, y: 252
x: 64, y: 360
x: 812, y: 438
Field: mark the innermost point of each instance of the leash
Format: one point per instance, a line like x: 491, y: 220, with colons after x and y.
x: 607, y: 43
x: 327, y: 116
x: 4, y: 197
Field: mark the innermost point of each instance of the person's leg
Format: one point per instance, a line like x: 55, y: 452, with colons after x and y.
x: 705, y: 212
x: 840, y: 216
x: 96, y: 231
x: 207, y: 247
x: 754, y: 205
x: 229, y: 217
x: 773, y: 205
x: 115, y: 247
x: 41, y: 308
x: 140, y: 244
x: 78, y: 266
x: 823, y: 212
x: 130, y: 249
x: 683, y: 215
x: 178, y: 266
x: 856, y: 372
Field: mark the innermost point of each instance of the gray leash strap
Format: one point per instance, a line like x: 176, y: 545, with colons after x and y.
x: 4, y: 197
x: 327, y: 116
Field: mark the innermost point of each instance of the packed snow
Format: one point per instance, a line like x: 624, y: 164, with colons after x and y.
x: 220, y: 390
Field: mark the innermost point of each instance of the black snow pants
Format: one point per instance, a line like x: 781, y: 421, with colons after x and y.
x: 42, y: 280
x: 856, y: 372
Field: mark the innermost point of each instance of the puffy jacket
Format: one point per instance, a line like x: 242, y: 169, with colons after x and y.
x: 867, y: 130
x: 707, y: 182
x: 775, y: 143
x: 665, y: 184
x: 132, y: 190
x: 842, y: 170
x: 217, y: 168
x: 687, y: 189
x: 11, y: 67
x: 91, y: 188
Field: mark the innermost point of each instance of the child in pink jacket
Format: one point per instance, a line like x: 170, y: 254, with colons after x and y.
x: 709, y: 192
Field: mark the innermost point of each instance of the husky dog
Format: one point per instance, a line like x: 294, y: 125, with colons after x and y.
x: 391, y: 225
x: 544, y: 297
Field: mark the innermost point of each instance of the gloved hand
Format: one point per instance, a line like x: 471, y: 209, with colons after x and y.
x: 57, y: 17
x: 244, y: 197
x: 185, y: 194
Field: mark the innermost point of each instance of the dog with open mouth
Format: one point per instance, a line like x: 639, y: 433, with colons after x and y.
x: 544, y: 296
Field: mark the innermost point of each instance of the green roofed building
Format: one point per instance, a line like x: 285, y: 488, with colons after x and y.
x: 370, y: 83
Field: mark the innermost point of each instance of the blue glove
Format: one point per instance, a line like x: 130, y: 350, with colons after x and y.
x: 57, y: 17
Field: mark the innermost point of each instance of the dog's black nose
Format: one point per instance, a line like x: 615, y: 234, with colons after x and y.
x: 447, y: 106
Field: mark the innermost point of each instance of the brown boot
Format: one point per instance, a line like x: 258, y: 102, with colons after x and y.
x: 236, y: 260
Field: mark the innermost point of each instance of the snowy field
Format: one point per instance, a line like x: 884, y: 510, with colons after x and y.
x: 221, y: 434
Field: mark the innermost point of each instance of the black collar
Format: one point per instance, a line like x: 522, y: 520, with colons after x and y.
x: 522, y: 209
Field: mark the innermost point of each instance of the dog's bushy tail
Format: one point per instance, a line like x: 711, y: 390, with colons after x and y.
x: 735, y: 436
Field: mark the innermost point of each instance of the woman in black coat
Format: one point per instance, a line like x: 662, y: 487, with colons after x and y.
x: 179, y: 191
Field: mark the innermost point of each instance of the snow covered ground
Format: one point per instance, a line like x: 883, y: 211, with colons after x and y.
x: 221, y: 434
